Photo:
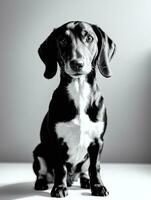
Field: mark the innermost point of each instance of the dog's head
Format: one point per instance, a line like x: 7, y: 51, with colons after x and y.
x: 78, y: 47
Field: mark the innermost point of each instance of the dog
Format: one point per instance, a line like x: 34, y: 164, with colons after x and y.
x: 73, y: 129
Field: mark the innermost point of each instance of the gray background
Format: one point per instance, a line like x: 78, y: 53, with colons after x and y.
x: 25, y: 94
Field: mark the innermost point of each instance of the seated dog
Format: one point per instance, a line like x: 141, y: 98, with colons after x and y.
x: 73, y: 128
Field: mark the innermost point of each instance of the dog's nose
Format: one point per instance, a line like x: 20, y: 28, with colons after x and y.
x: 76, y: 65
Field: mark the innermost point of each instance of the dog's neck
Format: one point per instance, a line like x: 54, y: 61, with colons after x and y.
x: 81, y: 90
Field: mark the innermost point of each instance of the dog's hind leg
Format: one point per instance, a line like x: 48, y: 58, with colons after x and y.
x: 84, y: 176
x: 40, y: 169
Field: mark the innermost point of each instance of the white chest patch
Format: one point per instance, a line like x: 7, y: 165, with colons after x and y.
x: 81, y: 131
x: 79, y: 91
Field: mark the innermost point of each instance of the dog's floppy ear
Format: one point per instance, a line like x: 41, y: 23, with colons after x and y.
x: 106, y: 50
x: 48, y: 54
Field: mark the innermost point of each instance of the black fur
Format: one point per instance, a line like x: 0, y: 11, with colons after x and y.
x: 54, y: 150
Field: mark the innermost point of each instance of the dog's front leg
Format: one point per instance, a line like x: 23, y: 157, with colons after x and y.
x: 60, y: 184
x: 97, y: 187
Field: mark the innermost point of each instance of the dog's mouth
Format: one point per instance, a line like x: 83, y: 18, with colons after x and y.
x: 77, y: 74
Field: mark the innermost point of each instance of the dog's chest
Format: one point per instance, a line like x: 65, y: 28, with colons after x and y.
x: 79, y: 132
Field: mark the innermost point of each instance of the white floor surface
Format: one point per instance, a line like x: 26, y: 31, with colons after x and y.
x: 124, y: 182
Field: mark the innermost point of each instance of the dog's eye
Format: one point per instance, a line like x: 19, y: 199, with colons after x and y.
x: 63, y: 42
x: 89, y: 38
x: 86, y: 36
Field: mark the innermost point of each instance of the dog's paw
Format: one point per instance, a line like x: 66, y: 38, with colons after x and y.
x: 99, y: 190
x: 59, y: 191
x: 41, y: 184
x: 85, y: 182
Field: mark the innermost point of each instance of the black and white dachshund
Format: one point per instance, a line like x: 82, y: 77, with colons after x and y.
x: 73, y: 128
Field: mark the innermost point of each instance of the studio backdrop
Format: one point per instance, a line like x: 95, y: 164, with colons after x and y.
x: 25, y: 94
